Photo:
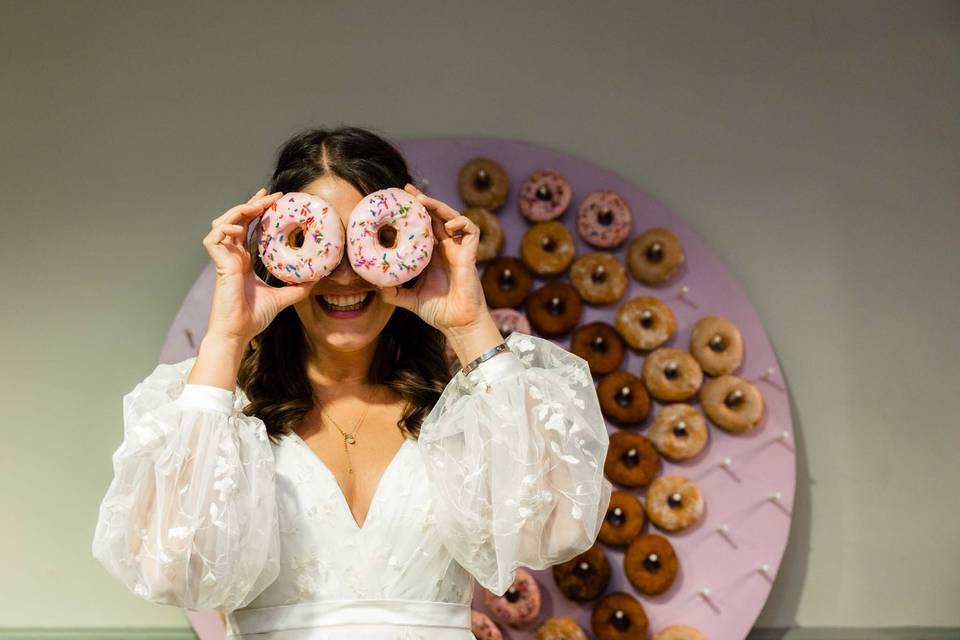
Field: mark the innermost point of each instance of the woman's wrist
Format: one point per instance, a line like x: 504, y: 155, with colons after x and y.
x: 218, y: 362
x: 471, y: 341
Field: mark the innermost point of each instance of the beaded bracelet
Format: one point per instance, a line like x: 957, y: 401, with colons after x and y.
x: 483, y: 357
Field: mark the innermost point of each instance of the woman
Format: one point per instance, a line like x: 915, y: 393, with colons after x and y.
x: 314, y: 471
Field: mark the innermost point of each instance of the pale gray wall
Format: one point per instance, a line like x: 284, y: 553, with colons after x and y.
x: 814, y: 144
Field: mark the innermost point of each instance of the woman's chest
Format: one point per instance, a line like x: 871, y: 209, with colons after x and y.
x: 323, y: 552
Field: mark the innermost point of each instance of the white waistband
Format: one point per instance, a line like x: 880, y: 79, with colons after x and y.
x: 335, y: 612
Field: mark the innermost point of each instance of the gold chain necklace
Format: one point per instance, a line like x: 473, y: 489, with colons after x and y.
x: 348, y: 438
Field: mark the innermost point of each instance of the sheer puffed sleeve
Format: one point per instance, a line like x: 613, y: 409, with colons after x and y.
x: 514, y: 455
x: 190, y: 517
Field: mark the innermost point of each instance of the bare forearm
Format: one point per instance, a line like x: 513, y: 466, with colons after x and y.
x: 218, y: 362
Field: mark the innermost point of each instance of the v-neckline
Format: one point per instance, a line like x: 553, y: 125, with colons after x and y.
x: 343, y: 498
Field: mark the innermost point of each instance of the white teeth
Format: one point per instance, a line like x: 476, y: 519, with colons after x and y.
x: 344, y: 301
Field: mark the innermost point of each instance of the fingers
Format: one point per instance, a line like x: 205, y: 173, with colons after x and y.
x: 434, y: 206
x: 252, y: 208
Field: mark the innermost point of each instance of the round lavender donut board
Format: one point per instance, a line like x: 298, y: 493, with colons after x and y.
x: 725, y: 576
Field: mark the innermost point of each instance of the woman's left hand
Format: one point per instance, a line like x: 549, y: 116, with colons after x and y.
x: 448, y: 294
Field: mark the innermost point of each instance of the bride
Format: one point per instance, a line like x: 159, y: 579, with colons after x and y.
x: 315, y: 471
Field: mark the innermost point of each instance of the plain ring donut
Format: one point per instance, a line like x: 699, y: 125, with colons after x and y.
x: 732, y: 403
x: 717, y: 345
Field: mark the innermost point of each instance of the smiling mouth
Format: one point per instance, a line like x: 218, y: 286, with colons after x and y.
x: 351, y: 302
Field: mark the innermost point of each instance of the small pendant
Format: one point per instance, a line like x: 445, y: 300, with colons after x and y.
x: 349, y: 439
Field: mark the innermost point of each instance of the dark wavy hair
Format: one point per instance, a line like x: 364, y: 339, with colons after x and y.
x: 409, y: 355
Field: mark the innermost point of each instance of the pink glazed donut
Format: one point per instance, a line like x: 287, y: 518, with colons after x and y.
x: 389, y: 237
x: 520, y: 603
x: 300, y: 238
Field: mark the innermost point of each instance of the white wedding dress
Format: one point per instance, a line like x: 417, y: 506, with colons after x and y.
x: 204, y: 512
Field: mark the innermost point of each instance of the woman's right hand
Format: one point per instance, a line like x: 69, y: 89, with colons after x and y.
x: 243, y: 304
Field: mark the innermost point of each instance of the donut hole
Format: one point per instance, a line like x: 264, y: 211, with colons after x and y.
x: 619, y: 620
x: 582, y: 569
x: 481, y: 181
x: 615, y: 516
x: 599, y: 275
x: 733, y: 399
x: 295, y: 238
x: 623, y: 396
x: 556, y: 306
x: 506, y: 280
x: 646, y: 319
x: 605, y: 217
x: 598, y: 344
x: 387, y: 236
x: 671, y: 371
x: 512, y: 595
x: 675, y: 500
x: 652, y: 562
x: 680, y: 429
x: 630, y: 458
x: 718, y: 344
x: 543, y: 193
x: 548, y: 244
x: 654, y: 252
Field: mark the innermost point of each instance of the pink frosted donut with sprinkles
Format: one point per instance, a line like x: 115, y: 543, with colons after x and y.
x: 520, y: 603
x: 545, y: 195
x: 604, y: 219
x: 300, y: 238
x: 389, y: 237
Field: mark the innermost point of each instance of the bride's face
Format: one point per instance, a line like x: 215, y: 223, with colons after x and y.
x: 343, y: 312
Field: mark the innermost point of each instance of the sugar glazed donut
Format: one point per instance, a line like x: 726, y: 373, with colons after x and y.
x: 645, y: 322
x: 506, y: 282
x: 651, y: 564
x: 519, y: 604
x: 619, y: 616
x: 547, y: 248
x: 717, y: 345
x: 483, y: 627
x: 604, y: 219
x: 491, y: 232
x: 599, y: 278
x: 679, y: 632
x: 654, y: 256
x: 300, y: 238
x: 732, y: 403
x: 483, y: 182
x: 679, y: 431
x: 671, y: 374
x: 623, y: 521
x: 560, y: 628
x: 673, y: 503
x: 545, y: 195
x: 389, y: 237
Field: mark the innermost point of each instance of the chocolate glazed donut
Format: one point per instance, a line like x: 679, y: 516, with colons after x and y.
x: 483, y: 182
x: 506, y: 282
x: 583, y: 577
x: 554, y: 309
x: 632, y: 460
x: 600, y: 345
x: 619, y: 616
x: 623, y: 398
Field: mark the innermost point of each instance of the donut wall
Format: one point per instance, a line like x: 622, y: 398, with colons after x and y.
x: 703, y: 551
x: 701, y: 450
